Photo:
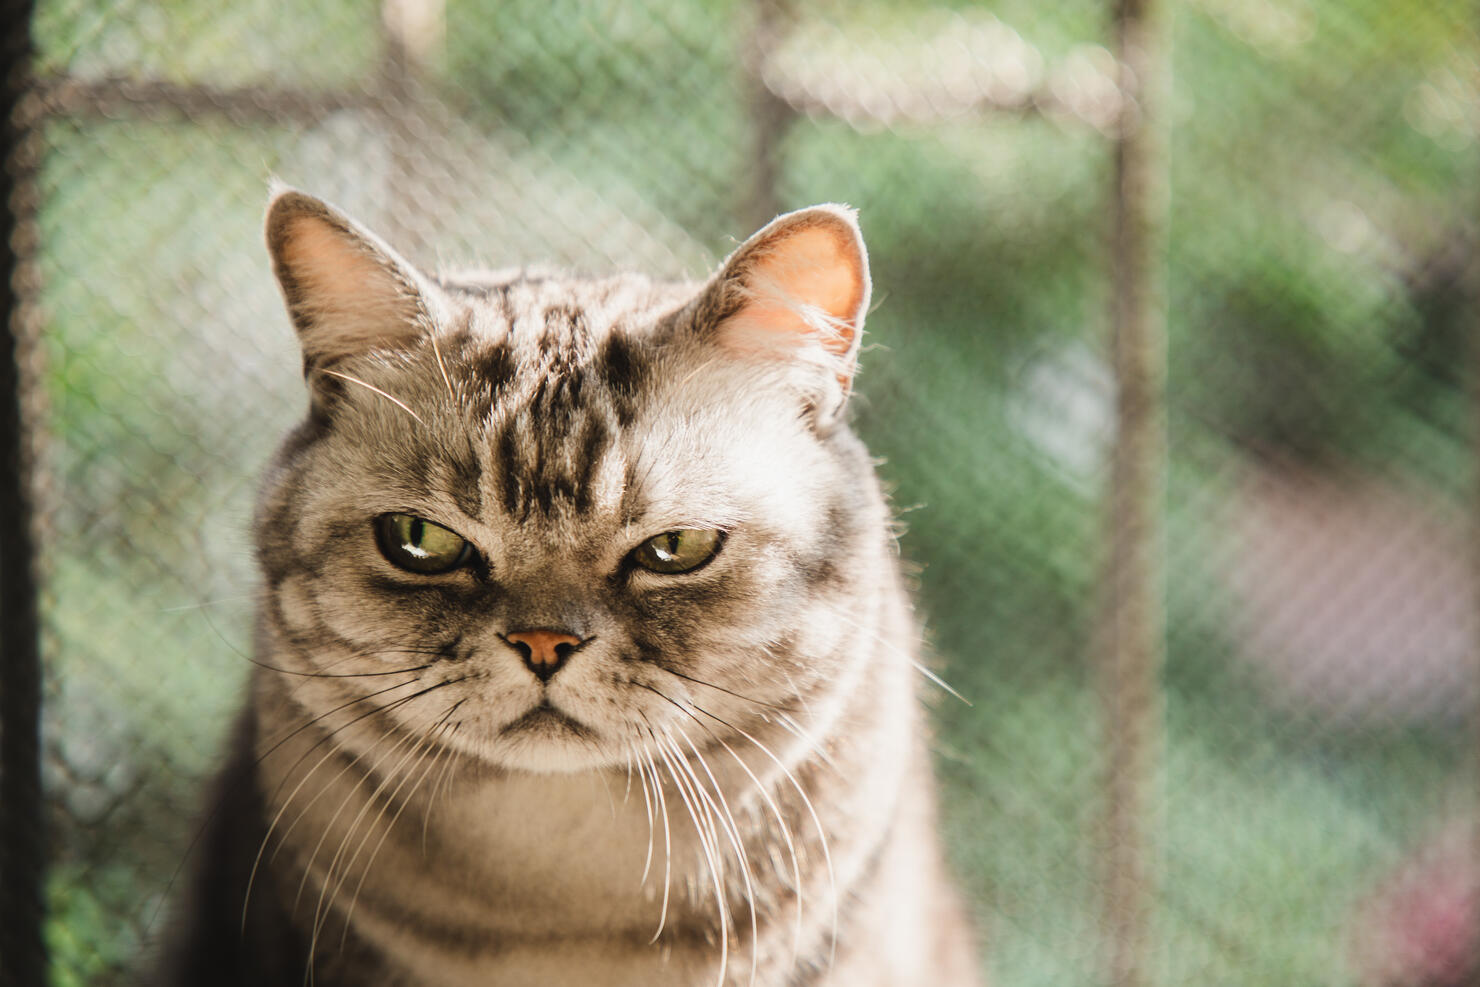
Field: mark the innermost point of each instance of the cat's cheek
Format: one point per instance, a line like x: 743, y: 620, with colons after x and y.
x: 295, y: 606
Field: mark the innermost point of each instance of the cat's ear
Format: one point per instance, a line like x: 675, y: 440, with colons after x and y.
x: 347, y: 292
x: 798, y: 289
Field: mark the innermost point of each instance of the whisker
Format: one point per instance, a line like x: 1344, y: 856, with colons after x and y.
x: 811, y: 811
x: 328, y: 878
x: 940, y: 682
x: 708, y: 842
x: 449, y: 771
x: 437, y: 766
x: 611, y: 800
x: 329, y: 890
x: 727, y: 820
x: 898, y: 651
x: 789, y: 723
x: 437, y: 350
x: 375, y: 852
x: 371, y: 387
x: 277, y: 817
x: 340, y: 675
x: 667, y: 834
x: 322, y: 716
x: 647, y: 802
x: 770, y: 804
x: 720, y: 688
x: 801, y: 696
x: 329, y: 826
x: 667, y: 843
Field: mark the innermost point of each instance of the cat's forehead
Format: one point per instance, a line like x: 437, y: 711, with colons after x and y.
x: 534, y: 310
x: 546, y: 355
x: 553, y: 400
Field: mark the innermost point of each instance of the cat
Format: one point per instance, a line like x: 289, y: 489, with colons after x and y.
x: 582, y: 653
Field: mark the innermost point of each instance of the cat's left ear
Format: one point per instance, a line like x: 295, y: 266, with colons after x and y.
x: 347, y: 291
x: 799, y: 290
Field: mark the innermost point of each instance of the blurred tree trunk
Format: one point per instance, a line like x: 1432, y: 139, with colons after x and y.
x: 770, y: 115
x: 1129, y: 635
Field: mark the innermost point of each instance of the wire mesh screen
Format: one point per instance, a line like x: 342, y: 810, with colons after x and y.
x: 1314, y: 790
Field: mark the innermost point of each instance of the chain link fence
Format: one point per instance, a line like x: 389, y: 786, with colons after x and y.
x: 1311, y: 743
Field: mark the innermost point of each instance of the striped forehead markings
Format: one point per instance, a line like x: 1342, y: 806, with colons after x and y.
x: 542, y: 464
x: 559, y: 386
x: 548, y: 449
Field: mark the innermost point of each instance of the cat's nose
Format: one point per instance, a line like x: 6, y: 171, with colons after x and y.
x: 543, y: 651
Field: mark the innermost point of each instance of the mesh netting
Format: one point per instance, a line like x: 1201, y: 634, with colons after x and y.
x: 1314, y: 793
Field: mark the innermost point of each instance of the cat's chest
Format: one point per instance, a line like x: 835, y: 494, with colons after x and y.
x: 521, y: 858
x: 517, y: 875
x: 571, y: 846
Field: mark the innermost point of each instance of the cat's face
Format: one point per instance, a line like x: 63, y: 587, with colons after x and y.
x: 543, y: 521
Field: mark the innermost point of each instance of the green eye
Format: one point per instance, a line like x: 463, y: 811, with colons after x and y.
x: 417, y: 544
x: 679, y: 551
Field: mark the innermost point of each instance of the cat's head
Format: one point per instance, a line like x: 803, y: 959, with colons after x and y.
x: 550, y: 521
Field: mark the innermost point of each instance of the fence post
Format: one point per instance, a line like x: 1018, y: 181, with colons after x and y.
x: 1130, y: 623
x: 411, y: 29
x: 23, y: 848
x: 770, y: 115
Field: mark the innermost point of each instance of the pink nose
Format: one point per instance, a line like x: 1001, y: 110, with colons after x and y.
x: 543, y: 651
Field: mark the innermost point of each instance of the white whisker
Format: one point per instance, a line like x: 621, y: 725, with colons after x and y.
x: 647, y: 802
x: 816, y: 822
x: 796, y: 869
x: 371, y: 387
x: 437, y: 350
x: 430, y: 740
x: 732, y: 830
x: 439, y: 768
x: 708, y: 842
x: 898, y: 651
x: 329, y: 826
x: 667, y: 845
x: 333, y: 749
x: 320, y: 912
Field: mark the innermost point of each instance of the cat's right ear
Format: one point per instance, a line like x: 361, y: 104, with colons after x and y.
x: 347, y: 292
x: 796, y: 292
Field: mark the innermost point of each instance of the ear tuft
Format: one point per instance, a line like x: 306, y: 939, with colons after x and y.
x: 800, y: 286
x: 346, y: 291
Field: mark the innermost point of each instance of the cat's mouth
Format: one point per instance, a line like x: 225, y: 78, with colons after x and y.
x: 545, y: 718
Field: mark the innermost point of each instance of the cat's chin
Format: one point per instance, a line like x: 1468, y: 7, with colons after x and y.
x: 550, y: 755
x: 546, y: 740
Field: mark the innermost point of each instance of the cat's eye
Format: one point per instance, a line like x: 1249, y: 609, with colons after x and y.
x: 678, y: 551
x: 419, y: 545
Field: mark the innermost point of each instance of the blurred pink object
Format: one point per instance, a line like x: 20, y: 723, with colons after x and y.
x: 1418, y: 929
x: 1353, y: 595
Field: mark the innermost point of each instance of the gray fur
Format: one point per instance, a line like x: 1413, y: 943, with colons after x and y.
x: 735, y: 754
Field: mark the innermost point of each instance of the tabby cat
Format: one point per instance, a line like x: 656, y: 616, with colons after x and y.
x: 582, y: 652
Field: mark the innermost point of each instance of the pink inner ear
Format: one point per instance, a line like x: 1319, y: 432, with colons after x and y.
x: 350, y: 299
x: 817, y: 268
x: 331, y: 272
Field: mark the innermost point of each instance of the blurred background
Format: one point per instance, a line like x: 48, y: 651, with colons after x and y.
x: 1312, y: 782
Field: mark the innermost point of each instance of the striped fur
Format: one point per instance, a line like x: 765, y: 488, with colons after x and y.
x: 726, y: 783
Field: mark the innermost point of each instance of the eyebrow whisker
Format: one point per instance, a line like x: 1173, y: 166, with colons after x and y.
x: 371, y: 387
